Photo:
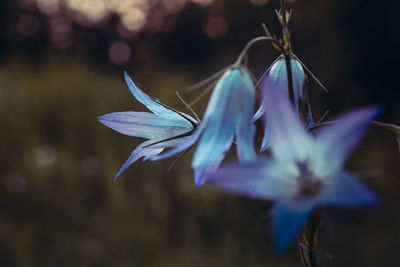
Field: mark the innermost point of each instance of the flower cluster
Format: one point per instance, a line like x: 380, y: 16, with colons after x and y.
x: 305, y: 166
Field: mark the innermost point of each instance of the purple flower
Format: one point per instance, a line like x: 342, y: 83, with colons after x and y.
x: 164, y: 127
x: 304, y: 172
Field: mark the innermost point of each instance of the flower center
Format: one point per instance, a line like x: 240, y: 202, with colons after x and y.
x: 308, y: 183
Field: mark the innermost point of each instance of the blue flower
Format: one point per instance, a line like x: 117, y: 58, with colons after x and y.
x: 277, y: 74
x: 304, y: 171
x: 228, y: 115
x: 163, y: 126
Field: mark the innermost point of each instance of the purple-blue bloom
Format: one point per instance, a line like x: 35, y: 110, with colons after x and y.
x: 304, y: 171
x: 228, y: 115
x: 164, y: 127
x: 277, y: 74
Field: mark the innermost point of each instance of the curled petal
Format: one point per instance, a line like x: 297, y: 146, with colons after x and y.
x: 144, y: 124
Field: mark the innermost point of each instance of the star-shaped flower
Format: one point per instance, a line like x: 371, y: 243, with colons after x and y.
x: 304, y: 171
x: 163, y: 126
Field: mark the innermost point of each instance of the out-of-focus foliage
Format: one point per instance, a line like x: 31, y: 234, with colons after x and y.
x: 59, y: 205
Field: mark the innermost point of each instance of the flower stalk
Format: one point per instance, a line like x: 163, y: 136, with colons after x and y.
x: 283, y: 18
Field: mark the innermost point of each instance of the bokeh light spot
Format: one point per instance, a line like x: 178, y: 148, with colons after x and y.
x: 119, y: 52
x: 28, y: 25
x: 48, y: 6
x: 215, y: 28
x: 45, y: 155
x: 133, y: 19
x: 203, y: 2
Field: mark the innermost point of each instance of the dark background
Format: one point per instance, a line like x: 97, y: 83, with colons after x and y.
x: 61, y: 66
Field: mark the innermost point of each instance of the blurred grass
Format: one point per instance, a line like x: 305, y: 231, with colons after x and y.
x: 61, y: 207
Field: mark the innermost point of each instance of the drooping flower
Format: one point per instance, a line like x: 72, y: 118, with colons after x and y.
x: 228, y: 115
x: 163, y: 126
x: 277, y: 74
x: 305, y: 171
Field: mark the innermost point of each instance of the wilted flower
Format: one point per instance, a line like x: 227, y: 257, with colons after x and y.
x: 305, y: 171
x: 163, y: 126
x: 228, y: 115
x: 277, y: 74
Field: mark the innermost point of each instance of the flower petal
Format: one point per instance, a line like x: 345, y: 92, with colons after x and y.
x: 201, y: 175
x: 336, y: 141
x: 152, y: 105
x: 278, y: 75
x: 288, y: 137
x: 140, y: 151
x: 260, y: 112
x: 347, y: 191
x: 148, y: 150
x: 245, y: 130
x: 287, y: 221
x: 224, y: 113
x: 261, y: 179
x: 186, y: 143
x: 144, y: 124
x: 266, y: 141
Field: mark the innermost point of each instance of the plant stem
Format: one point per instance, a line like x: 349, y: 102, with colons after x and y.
x: 287, y: 49
x: 283, y: 10
x: 289, y: 77
x: 311, y: 249
x: 250, y: 44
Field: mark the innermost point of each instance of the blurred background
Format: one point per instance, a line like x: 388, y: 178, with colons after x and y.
x: 61, y: 66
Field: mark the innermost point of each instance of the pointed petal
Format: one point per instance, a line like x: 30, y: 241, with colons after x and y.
x: 186, y: 143
x: 337, y: 140
x: 223, y: 114
x: 261, y: 179
x: 287, y: 221
x: 201, y: 175
x: 152, y: 105
x: 346, y: 190
x: 149, y: 150
x: 140, y: 151
x: 144, y: 124
x: 260, y: 112
x: 266, y: 142
x: 288, y: 137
